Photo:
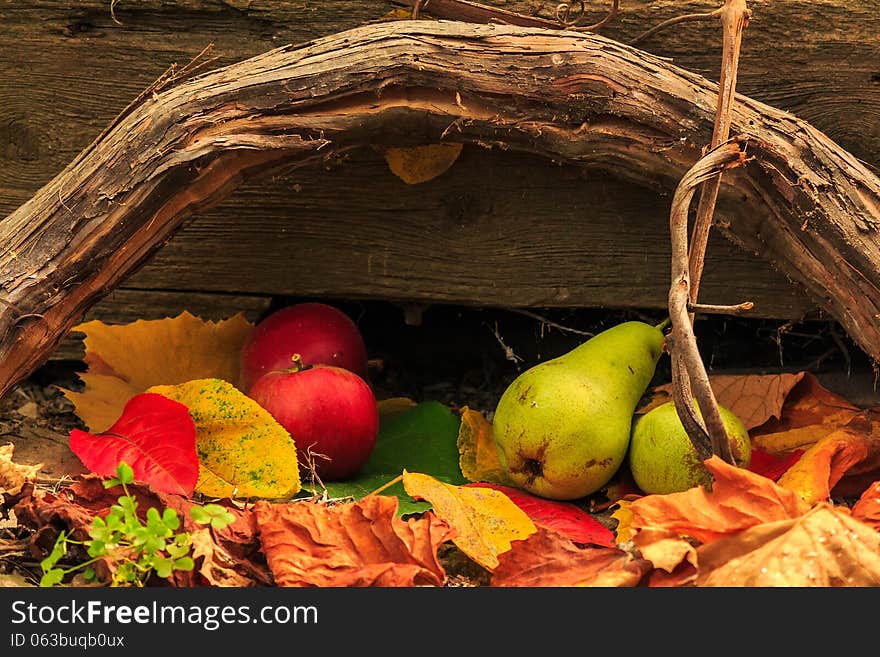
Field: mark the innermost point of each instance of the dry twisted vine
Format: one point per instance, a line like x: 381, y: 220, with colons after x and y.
x: 689, y: 378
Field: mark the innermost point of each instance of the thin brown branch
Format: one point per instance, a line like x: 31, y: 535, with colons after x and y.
x: 686, y: 18
x: 690, y: 380
x: 734, y: 18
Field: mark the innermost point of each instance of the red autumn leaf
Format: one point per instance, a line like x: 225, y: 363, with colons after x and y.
x: 546, y: 558
x: 155, y: 436
x: 562, y: 517
x: 772, y: 466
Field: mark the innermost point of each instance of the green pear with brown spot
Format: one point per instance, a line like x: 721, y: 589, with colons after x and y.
x: 562, y: 427
x: 662, y: 459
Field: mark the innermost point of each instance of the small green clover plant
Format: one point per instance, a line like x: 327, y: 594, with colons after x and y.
x: 136, y: 549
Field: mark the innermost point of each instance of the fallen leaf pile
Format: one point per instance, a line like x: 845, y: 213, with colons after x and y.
x: 162, y: 396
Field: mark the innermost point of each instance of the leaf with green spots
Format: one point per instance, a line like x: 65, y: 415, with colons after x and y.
x: 243, y: 452
x: 422, y: 439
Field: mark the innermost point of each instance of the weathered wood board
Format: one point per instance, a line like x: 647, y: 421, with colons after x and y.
x: 497, y: 229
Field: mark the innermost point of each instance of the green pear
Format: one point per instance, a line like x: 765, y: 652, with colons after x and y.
x: 562, y: 427
x: 662, y: 458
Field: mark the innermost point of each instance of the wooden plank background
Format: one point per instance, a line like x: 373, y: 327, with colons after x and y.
x: 498, y: 229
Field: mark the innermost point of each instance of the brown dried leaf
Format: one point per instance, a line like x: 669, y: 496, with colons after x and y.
x: 546, y: 558
x: 664, y: 548
x: 14, y: 475
x: 825, y: 547
x: 753, y: 398
x: 216, y: 565
x: 739, y: 499
x: 359, y: 543
x: 810, y: 413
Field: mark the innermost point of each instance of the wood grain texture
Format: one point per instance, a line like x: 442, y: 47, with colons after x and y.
x: 74, y: 67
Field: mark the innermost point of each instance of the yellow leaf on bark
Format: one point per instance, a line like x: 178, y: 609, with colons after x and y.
x: 243, y: 452
x: 126, y: 359
x: 484, y: 519
x: 418, y: 164
x: 478, y: 456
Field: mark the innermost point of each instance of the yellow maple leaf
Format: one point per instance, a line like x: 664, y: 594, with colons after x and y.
x: 478, y: 456
x: 418, y: 164
x: 243, y: 452
x: 485, y: 520
x: 126, y: 359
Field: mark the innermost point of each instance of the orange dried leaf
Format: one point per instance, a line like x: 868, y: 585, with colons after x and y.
x: 476, y: 445
x: 126, y: 359
x: 243, y: 451
x: 739, y: 499
x: 867, y: 508
x: 418, y: 164
x: 484, y: 519
x: 825, y: 547
x: 810, y: 413
x: 546, y: 558
x: 360, y: 543
x: 827, y: 461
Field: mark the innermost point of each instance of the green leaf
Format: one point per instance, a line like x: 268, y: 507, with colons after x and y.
x: 52, y: 577
x: 422, y: 439
x: 58, y: 551
x: 125, y: 473
x: 184, y: 563
x: 171, y: 519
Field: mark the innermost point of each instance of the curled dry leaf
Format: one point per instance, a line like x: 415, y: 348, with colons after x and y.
x: 826, y: 462
x: 418, y: 164
x: 126, y: 359
x: 546, y: 558
x: 810, y: 413
x: 739, y: 499
x: 825, y: 547
x: 484, y: 519
x: 15, y: 475
x: 665, y: 549
x: 354, y: 544
x: 867, y: 508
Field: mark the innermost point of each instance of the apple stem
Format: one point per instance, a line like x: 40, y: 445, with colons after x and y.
x: 297, y: 363
x: 662, y: 326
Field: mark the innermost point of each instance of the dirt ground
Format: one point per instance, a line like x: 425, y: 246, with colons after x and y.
x: 458, y: 356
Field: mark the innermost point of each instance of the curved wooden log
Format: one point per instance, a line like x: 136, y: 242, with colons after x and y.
x: 801, y: 202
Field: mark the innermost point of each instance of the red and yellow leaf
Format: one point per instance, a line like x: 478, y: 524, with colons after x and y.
x: 154, y: 435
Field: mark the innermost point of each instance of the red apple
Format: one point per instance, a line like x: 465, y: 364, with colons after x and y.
x: 319, y: 333
x: 329, y: 411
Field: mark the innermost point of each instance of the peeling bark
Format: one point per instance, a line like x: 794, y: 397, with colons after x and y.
x: 802, y: 202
